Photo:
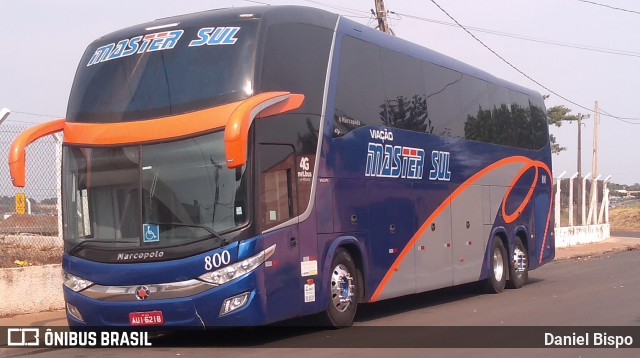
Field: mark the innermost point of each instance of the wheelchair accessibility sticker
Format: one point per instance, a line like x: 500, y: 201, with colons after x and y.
x: 151, y: 232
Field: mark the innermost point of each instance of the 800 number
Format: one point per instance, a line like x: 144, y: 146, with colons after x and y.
x: 216, y: 260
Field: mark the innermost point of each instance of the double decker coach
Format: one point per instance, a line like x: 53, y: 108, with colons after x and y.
x: 243, y: 166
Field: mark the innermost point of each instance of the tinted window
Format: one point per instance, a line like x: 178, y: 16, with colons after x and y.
x: 301, y: 132
x: 405, y: 101
x: 277, y: 190
x: 444, y: 102
x: 522, y: 136
x: 442, y: 98
x: 360, y: 95
x: 295, y: 60
x: 539, y: 122
x: 168, y: 75
x: 476, y: 109
x: 499, y: 122
x: 183, y: 189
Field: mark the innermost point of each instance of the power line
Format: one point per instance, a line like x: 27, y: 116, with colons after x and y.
x: 623, y: 119
x: 610, y: 7
x: 526, y: 38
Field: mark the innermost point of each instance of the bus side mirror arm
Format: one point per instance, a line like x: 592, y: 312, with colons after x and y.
x: 17, y: 156
x: 236, y: 133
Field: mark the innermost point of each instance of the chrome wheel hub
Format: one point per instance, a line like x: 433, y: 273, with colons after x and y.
x: 341, y: 288
x: 498, y: 265
x: 519, y: 260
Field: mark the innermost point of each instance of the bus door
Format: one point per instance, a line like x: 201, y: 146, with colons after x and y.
x: 277, y: 206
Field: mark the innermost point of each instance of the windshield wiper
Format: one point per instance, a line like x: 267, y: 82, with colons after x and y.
x: 212, y: 233
x: 91, y: 241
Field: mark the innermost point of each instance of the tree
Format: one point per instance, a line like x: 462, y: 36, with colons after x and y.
x: 555, y: 116
x: 558, y: 114
x: 505, y: 125
x: 407, y: 113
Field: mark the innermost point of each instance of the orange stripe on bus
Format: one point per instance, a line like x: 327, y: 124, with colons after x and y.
x: 447, y: 202
x: 165, y: 128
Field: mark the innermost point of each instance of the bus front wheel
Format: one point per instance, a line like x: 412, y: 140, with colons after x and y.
x: 499, y: 266
x: 343, y: 290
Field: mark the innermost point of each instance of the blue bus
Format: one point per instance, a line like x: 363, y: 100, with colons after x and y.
x: 243, y: 166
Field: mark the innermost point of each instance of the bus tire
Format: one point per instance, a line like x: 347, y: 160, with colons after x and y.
x: 499, y: 266
x: 343, y: 291
x: 517, y: 279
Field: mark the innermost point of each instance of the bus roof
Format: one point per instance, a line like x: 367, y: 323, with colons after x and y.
x: 268, y: 15
x: 278, y: 14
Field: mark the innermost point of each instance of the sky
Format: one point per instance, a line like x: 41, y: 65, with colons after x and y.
x: 42, y: 42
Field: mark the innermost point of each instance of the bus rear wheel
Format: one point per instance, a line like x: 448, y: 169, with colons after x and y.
x: 499, y: 266
x: 519, y: 267
x: 344, y: 290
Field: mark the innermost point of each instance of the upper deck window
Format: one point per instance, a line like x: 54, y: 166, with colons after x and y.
x: 164, y: 72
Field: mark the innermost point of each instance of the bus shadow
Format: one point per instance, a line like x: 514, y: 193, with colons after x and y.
x: 305, y: 331
x: 394, y: 306
x: 391, y: 307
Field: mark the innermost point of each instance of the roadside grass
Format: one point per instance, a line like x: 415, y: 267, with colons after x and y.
x: 625, y: 218
x: 12, y: 255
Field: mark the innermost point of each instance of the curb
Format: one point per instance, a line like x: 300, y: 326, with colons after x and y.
x: 594, y: 250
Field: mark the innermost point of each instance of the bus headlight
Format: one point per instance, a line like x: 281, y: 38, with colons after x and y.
x: 238, y: 269
x: 75, y: 283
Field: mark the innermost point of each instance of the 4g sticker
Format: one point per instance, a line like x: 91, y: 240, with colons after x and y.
x: 216, y: 260
x: 304, y: 173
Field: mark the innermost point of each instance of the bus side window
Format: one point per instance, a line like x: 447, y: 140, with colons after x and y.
x: 277, y: 186
x: 360, y: 96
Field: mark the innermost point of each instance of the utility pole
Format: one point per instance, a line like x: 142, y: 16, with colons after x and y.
x: 594, y: 182
x: 579, y: 197
x: 579, y: 145
x: 596, y: 123
x: 381, y: 15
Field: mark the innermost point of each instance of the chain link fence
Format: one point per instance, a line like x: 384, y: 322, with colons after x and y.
x: 31, y: 238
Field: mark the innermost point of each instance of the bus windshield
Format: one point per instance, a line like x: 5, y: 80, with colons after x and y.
x: 133, y: 75
x: 151, y: 196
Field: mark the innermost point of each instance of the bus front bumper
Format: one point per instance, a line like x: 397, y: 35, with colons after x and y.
x: 235, y: 304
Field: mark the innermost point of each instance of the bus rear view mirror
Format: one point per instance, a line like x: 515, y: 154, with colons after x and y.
x: 236, y: 134
x: 17, y: 154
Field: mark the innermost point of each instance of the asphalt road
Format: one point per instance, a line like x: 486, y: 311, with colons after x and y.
x: 600, y: 291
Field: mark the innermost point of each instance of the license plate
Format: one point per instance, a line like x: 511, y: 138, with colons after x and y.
x: 154, y: 318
